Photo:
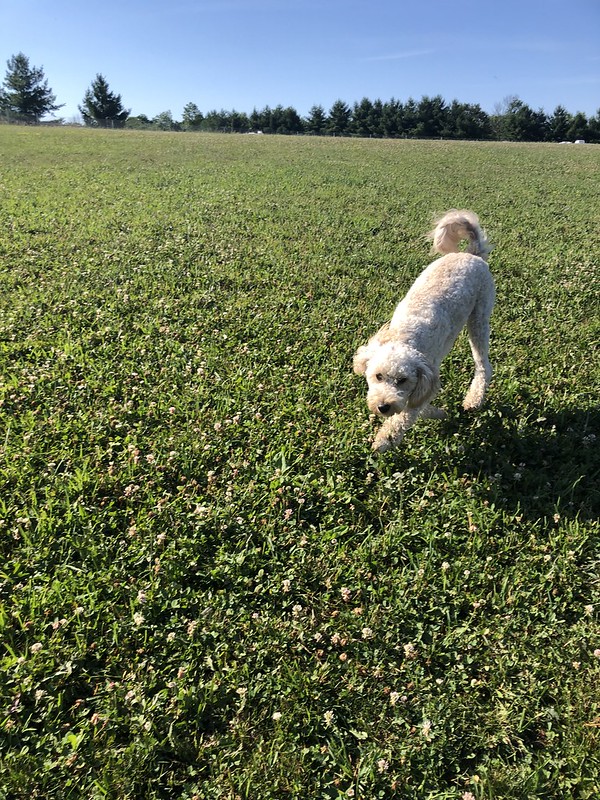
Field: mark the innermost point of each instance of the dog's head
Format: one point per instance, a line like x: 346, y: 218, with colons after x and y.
x: 398, y: 376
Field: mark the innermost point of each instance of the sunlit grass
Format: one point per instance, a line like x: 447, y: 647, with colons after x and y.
x: 210, y: 588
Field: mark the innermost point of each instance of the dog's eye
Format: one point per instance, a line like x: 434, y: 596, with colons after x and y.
x: 401, y: 381
x: 379, y: 376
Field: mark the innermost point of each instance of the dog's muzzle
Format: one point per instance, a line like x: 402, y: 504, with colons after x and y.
x: 384, y: 408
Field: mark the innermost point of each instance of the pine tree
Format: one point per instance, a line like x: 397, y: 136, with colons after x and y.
x: 339, y: 119
x: 361, y: 117
x: 578, y: 129
x: 391, y: 118
x: 101, y: 107
x: 559, y: 124
x: 27, y: 95
x: 316, y: 122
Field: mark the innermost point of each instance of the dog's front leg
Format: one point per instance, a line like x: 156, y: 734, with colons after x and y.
x: 431, y: 412
x: 393, y: 429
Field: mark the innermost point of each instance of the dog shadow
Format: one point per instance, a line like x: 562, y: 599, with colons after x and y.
x: 537, y: 462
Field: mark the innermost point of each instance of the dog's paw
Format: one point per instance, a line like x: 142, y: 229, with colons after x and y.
x: 387, y: 438
x: 476, y: 395
x: 472, y: 402
x: 381, y: 445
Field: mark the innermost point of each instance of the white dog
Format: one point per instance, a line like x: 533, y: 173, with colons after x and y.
x: 402, y: 361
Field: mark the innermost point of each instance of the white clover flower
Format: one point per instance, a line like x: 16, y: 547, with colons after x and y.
x: 410, y: 651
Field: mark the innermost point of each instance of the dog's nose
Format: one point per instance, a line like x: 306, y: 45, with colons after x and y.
x: 384, y: 408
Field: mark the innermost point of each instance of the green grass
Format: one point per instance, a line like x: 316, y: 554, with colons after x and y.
x: 210, y: 588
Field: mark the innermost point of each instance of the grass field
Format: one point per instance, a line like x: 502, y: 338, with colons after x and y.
x: 210, y: 588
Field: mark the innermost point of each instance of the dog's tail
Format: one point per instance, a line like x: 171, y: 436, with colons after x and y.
x: 455, y: 226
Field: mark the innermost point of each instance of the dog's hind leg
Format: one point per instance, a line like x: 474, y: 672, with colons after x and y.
x: 393, y: 429
x: 478, y: 328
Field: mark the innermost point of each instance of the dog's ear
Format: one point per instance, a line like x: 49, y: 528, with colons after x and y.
x: 428, y: 383
x: 361, y: 359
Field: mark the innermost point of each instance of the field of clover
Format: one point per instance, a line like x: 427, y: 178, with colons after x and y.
x: 210, y: 588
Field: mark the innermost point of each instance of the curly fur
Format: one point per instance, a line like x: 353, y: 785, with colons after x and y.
x: 401, y: 362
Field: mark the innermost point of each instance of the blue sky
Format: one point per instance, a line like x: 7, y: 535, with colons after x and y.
x: 245, y: 54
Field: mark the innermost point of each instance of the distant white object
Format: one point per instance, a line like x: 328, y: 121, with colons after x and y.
x: 579, y: 141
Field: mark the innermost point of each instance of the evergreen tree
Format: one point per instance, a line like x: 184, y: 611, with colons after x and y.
x: 292, y: 121
x: 255, y: 121
x: 522, y: 124
x: 339, y: 118
x: 466, y: 121
x: 375, y: 119
x: 26, y: 93
x: 431, y: 117
x: 593, y: 128
x: 578, y: 129
x: 316, y: 122
x: 101, y: 107
x: 239, y: 122
x: 216, y: 121
x: 409, y: 117
x: 265, y: 118
x: 391, y: 118
x: 282, y: 121
x: 361, y: 117
x: 558, y: 125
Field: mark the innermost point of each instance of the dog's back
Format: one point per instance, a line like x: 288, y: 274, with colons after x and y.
x: 444, y: 295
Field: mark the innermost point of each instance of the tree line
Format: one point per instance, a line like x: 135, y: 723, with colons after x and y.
x: 427, y: 118
x: 26, y: 97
